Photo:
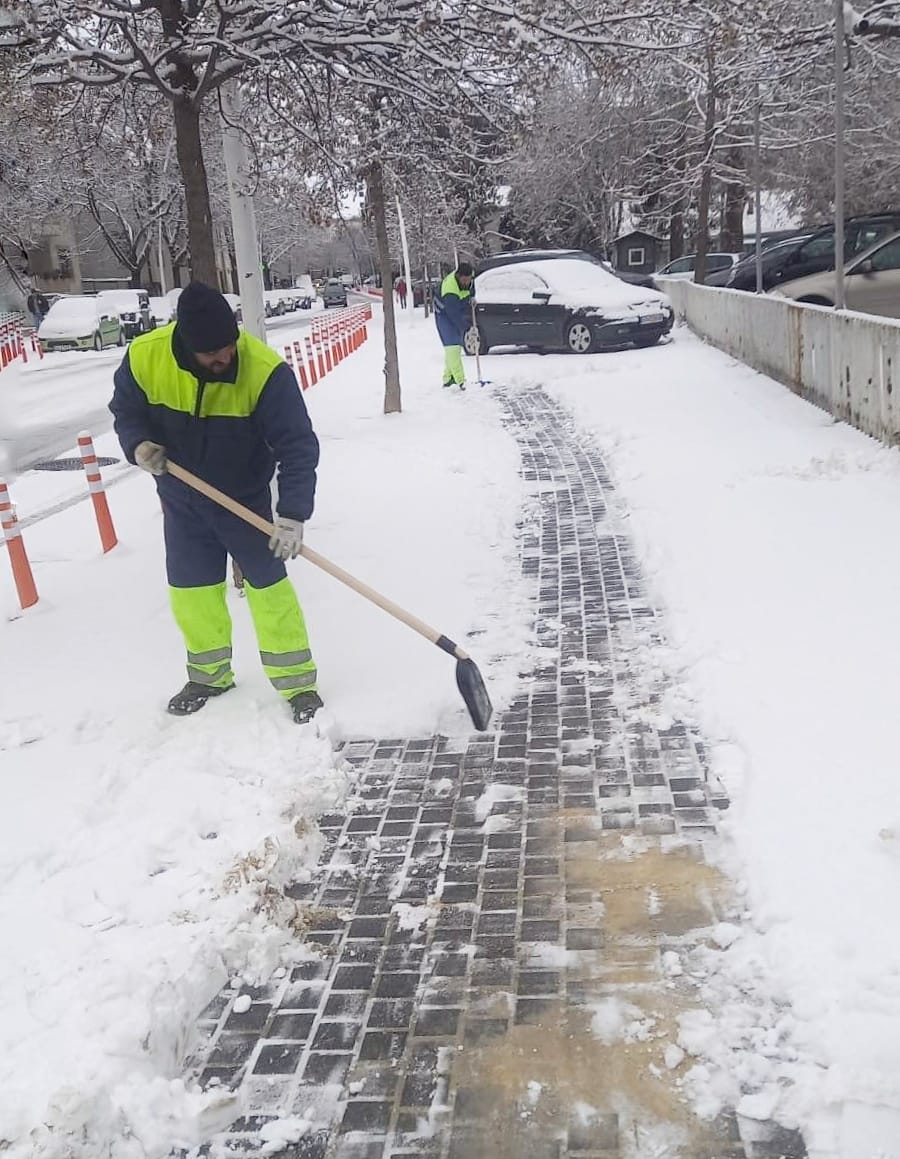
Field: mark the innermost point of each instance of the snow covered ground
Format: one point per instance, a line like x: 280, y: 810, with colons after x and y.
x: 141, y: 857
x: 136, y: 851
x: 767, y: 532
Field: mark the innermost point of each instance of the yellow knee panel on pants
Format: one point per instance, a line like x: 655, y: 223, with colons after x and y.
x: 202, y: 615
x: 282, y: 637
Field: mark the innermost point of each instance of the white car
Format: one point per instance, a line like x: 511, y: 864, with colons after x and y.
x: 162, y: 311
x: 683, y: 268
x: 133, y: 308
x: 303, y: 285
x: 564, y: 304
x: 871, y: 282
x: 276, y: 302
x: 235, y: 303
x: 81, y: 323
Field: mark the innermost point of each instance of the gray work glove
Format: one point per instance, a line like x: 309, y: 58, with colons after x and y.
x: 151, y: 457
x: 287, y: 538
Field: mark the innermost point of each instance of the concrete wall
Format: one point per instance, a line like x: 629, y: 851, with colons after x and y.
x: 848, y: 364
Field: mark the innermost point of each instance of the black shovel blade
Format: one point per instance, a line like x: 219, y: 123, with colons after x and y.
x: 474, y: 693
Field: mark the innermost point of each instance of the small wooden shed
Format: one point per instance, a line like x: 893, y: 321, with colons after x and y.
x: 637, y: 252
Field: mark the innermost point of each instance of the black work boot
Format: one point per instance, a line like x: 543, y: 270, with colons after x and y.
x: 193, y: 697
x: 305, y: 705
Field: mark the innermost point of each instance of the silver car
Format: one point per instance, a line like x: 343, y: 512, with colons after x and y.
x: 871, y: 282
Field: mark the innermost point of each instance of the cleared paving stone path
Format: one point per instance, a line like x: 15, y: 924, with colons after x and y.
x: 486, y: 908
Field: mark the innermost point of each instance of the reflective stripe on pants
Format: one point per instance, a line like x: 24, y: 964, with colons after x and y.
x: 202, y: 615
x: 453, y: 365
x: 282, y: 637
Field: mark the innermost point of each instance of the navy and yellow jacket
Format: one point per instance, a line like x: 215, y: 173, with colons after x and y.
x: 231, y: 431
x: 452, y: 311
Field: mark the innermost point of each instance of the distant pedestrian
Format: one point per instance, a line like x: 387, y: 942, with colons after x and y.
x: 37, y: 306
x: 400, y: 287
x: 452, y: 315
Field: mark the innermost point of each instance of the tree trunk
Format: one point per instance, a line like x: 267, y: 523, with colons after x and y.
x: 706, y: 174
x: 375, y: 182
x: 196, y: 193
x: 733, y: 216
x: 680, y: 205
x: 676, y: 233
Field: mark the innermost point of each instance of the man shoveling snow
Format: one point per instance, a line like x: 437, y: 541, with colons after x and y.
x: 224, y: 405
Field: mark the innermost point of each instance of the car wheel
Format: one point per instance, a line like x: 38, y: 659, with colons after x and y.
x: 816, y: 300
x: 579, y: 337
x: 98, y: 341
x: 121, y: 341
x: 473, y: 342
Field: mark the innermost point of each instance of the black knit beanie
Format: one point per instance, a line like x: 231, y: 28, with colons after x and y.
x: 205, y: 320
x: 465, y: 269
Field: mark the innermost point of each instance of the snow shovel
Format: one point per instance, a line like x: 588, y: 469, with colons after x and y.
x: 481, y: 381
x: 468, y: 678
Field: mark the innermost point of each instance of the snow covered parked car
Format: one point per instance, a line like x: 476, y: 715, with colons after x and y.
x: 80, y: 323
x: 133, y: 308
x: 162, y: 311
x: 302, y: 292
x: 564, y: 304
x: 276, y: 302
x: 235, y: 303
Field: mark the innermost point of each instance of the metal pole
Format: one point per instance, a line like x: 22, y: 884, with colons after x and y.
x: 758, y: 176
x: 243, y: 217
x: 840, y: 300
x: 406, y: 269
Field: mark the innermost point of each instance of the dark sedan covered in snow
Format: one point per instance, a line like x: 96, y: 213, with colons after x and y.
x: 564, y: 304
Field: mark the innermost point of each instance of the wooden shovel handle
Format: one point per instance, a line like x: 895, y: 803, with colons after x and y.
x: 319, y: 561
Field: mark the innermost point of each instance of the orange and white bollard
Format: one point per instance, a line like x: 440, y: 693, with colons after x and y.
x: 311, y: 362
x: 22, y: 352
x: 323, y: 339
x: 345, y: 335
x: 301, y: 369
x: 21, y: 568
x: 98, y: 494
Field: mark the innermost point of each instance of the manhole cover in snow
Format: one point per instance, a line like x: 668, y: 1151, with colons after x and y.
x: 71, y: 464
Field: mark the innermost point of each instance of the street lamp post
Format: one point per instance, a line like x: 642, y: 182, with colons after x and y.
x: 840, y: 300
x: 758, y: 181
